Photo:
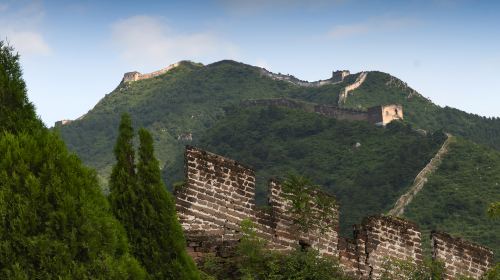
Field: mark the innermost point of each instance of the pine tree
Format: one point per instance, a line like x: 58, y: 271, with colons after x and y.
x: 147, y: 211
x: 54, y: 221
x: 123, y: 179
x: 161, y: 245
x: 16, y: 112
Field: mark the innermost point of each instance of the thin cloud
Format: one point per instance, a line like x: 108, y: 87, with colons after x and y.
x: 370, y: 27
x: 249, y: 7
x: 19, y: 25
x: 3, y: 7
x: 145, y: 41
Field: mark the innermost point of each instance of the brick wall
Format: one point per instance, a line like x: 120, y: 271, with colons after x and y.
x: 219, y: 194
x: 460, y: 257
x: 377, y: 240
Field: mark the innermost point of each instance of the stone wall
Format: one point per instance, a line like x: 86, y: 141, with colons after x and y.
x: 337, y: 77
x: 373, y: 115
x: 137, y: 76
x: 219, y: 193
x: 345, y: 92
x: 378, y: 240
x: 384, y: 114
x: 460, y: 257
x: 341, y: 113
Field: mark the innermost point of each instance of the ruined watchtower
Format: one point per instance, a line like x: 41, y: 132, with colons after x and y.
x: 384, y: 114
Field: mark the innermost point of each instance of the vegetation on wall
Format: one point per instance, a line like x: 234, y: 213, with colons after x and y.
x: 254, y: 261
x: 309, y: 206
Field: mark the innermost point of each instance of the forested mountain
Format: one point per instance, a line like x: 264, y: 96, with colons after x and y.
x: 365, y: 166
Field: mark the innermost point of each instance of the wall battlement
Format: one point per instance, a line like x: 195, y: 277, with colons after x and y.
x: 219, y: 193
x: 461, y: 258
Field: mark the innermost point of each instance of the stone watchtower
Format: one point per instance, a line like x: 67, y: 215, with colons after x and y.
x: 384, y: 114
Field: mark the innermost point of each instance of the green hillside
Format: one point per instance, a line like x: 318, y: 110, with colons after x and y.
x: 366, y: 167
x: 381, y: 88
x: 189, y: 98
x: 457, y: 195
x: 204, y: 102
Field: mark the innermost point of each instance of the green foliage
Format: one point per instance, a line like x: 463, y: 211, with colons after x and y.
x: 494, y: 210
x: 54, y: 221
x: 493, y: 273
x: 309, y: 206
x: 253, y: 261
x: 141, y: 202
x: 381, y: 88
x: 365, y: 179
x: 16, y: 112
x: 456, y: 196
x: 394, y: 269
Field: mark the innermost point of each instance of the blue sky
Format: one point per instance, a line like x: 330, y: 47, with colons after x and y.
x: 75, y: 52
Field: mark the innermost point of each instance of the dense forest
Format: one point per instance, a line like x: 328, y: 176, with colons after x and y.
x: 366, y: 167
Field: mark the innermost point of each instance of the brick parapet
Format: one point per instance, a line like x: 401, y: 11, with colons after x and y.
x: 219, y: 194
x: 377, y: 240
x: 460, y: 257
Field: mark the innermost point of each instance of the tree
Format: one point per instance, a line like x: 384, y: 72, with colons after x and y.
x: 163, y: 249
x: 16, y: 112
x: 140, y: 201
x: 54, y: 221
x: 123, y: 177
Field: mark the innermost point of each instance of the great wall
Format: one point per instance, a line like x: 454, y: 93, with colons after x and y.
x: 137, y: 76
x: 219, y: 193
x: 378, y: 115
x: 348, y: 89
x: 337, y: 77
x: 420, y: 180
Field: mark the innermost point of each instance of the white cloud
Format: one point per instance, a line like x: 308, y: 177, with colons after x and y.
x: 20, y: 26
x: 146, y: 41
x: 28, y: 42
x: 262, y: 63
x: 369, y: 27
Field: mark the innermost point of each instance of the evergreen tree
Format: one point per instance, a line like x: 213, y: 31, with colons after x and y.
x: 123, y: 178
x: 16, y: 112
x: 141, y: 202
x: 54, y: 221
x: 160, y: 241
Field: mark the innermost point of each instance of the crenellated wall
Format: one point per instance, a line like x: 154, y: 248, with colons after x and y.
x: 460, y: 257
x: 219, y: 193
x: 377, y: 240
